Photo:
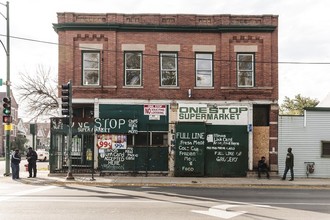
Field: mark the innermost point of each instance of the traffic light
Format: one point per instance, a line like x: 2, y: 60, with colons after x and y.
x: 6, y: 118
x: 6, y: 106
x: 67, y: 99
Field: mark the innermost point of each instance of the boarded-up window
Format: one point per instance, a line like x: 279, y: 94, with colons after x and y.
x: 159, y: 139
x: 260, y: 115
x: 143, y: 139
x: 325, y: 148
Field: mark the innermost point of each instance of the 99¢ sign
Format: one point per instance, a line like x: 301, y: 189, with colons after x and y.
x: 111, y: 141
x: 104, y: 144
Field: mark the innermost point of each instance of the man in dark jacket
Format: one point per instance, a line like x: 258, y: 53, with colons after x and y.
x: 32, y: 157
x: 15, y: 161
x: 262, y: 167
x: 289, y: 164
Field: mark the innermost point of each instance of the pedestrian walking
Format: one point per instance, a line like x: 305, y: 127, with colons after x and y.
x: 15, y: 161
x: 289, y: 164
x: 32, y: 157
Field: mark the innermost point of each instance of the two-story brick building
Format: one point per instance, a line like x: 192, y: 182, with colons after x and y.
x: 192, y: 95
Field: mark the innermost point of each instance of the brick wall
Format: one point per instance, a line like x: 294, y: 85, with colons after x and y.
x: 225, y: 81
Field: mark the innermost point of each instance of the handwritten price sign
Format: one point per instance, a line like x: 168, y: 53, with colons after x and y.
x: 111, y: 141
x: 104, y: 144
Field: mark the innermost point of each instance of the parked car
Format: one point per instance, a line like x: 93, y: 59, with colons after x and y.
x: 43, y: 155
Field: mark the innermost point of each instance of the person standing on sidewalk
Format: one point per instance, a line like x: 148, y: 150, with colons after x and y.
x: 32, y: 157
x: 289, y: 164
x: 15, y: 161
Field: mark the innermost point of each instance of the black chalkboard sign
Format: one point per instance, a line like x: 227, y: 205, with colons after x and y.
x: 189, y: 149
x: 134, y: 159
x: 117, y: 159
x: 211, y: 150
x: 226, y: 152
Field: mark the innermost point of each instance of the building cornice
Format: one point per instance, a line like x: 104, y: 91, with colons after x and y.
x: 165, y: 22
x: 162, y: 28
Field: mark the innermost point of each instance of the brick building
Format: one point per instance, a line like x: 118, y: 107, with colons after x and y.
x: 192, y: 95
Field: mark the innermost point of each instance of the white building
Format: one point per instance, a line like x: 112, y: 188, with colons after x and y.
x: 309, y: 137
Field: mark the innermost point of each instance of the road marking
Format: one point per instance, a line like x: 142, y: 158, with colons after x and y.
x: 220, y: 211
x: 26, y: 192
x: 112, y: 200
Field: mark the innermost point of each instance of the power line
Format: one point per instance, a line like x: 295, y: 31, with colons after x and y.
x: 33, y: 40
x: 179, y: 57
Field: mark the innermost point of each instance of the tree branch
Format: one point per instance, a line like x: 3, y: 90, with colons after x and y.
x: 39, y: 92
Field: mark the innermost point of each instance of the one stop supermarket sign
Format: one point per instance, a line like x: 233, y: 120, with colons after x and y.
x: 154, y: 109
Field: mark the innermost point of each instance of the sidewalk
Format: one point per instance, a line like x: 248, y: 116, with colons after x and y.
x: 43, y: 178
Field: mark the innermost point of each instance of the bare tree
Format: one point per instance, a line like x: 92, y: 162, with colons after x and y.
x: 39, y: 93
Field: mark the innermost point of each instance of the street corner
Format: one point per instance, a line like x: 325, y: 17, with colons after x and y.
x: 37, y: 180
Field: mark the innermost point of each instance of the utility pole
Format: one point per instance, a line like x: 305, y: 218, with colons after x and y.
x: 7, y: 50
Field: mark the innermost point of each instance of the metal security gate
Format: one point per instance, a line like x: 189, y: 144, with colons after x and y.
x: 81, y: 145
x: 81, y: 148
x: 56, y: 154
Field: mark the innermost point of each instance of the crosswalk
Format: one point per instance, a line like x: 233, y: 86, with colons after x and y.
x: 21, y: 192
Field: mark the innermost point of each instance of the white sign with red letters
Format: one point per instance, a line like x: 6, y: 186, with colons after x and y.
x: 154, y: 109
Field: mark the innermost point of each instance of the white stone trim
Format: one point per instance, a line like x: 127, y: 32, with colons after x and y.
x: 90, y: 46
x: 246, y: 48
x: 133, y: 47
x: 204, y: 48
x: 168, y: 47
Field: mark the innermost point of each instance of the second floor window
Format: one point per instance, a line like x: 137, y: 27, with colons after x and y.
x: 204, y: 69
x: 133, y: 68
x: 91, y: 68
x: 168, y: 69
x: 245, y: 70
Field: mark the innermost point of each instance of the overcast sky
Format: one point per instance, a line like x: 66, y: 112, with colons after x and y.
x: 304, y: 34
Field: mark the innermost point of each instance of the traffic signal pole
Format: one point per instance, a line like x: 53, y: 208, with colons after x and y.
x: 7, y: 50
x: 68, y: 111
x: 69, y: 175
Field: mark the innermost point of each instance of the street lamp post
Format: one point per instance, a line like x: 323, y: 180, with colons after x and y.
x: 7, y: 50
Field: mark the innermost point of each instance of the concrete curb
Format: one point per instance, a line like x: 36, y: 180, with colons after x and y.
x: 45, y: 178
x: 171, y: 182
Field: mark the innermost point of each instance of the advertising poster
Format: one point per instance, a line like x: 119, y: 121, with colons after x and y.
x: 111, y: 141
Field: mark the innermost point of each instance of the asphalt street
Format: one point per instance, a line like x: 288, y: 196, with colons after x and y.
x: 75, y: 201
